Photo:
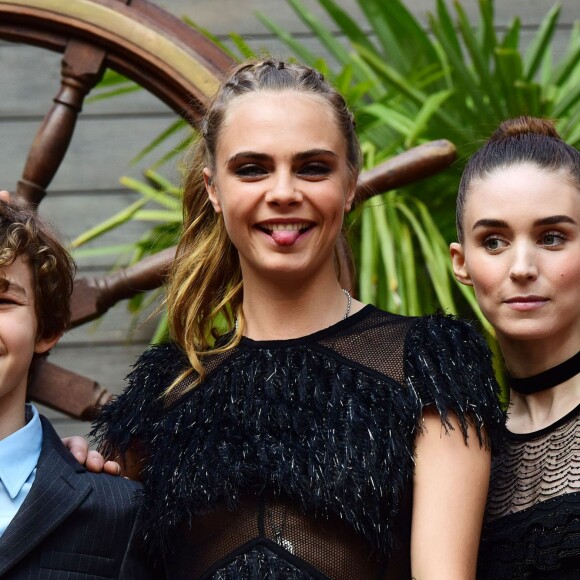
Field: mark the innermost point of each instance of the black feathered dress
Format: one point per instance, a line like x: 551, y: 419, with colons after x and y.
x: 294, y: 458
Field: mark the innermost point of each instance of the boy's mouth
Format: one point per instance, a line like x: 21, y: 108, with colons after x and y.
x: 285, y: 234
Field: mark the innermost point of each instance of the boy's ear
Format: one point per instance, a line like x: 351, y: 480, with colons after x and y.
x: 211, y: 189
x: 43, y: 345
x: 459, y: 267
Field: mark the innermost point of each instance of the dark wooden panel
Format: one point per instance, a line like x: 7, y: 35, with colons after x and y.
x: 88, y: 360
x: 30, y: 76
x: 115, y: 327
x: 66, y: 427
x: 31, y: 79
x: 89, y: 209
x: 28, y: 71
x: 223, y: 16
x: 101, y: 151
x: 274, y: 47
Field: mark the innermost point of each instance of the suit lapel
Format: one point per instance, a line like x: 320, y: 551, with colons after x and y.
x: 55, y: 493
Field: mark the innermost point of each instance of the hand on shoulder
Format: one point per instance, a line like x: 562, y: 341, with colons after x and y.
x: 92, y: 460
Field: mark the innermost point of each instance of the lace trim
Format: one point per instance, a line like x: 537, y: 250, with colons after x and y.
x: 544, y: 537
x: 533, y: 468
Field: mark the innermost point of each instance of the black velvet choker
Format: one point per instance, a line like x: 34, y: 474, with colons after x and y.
x: 548, y: 378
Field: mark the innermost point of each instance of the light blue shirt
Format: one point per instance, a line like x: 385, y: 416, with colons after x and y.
x: 19, y: 453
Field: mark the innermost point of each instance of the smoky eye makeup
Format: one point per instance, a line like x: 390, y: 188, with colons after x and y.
x: 318, y: 163
x: 315, y: 169
x: 250, y: 170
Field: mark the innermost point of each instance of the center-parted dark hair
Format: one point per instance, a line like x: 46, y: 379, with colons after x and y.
x: 515, y: 142
x: 206, y: 280
x: 24, y: 234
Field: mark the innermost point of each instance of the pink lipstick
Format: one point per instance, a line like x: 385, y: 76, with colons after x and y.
x: 526, y: 303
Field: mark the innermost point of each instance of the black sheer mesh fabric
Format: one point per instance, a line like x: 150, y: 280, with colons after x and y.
x: 377, y: 343
x: 294, y: 458
x: 532, y: 527
x: 226, y: 544
x: 536, y: 467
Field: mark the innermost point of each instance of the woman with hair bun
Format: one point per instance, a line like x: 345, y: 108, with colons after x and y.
x: 290, y: 431
x: 518, y: 222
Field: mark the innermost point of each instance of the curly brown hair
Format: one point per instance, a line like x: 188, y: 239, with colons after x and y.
x: 24, y: 234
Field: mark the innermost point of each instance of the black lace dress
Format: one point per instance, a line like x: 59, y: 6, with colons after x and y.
x: 294, y: 458
x: 532, y: 527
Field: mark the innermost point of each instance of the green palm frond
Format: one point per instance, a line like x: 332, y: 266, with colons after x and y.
x: 407, y: 84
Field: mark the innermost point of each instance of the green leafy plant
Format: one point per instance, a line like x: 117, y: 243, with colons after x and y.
x: 160, y: 205
x: 408, y: 85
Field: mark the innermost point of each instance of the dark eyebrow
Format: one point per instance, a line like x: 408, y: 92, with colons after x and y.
x: 554, y: 219
x: 313, y: 153
x: 246, y: 155
x: 489, y: 223
x: 547, y: 221
x: 303, y: 155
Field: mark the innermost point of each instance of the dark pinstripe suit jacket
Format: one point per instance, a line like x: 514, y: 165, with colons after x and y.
x: 73, y: 524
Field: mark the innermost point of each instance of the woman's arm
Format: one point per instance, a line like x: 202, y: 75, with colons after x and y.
x: 449, y: 492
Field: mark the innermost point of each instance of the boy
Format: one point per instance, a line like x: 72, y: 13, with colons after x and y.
x: 56, y: 519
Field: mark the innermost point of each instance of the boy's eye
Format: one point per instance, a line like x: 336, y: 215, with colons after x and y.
x: 4, y: 300
x: 493, y: 243
x: 552, y: 239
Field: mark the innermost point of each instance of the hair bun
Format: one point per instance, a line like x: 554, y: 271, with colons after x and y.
x: 525, y: 126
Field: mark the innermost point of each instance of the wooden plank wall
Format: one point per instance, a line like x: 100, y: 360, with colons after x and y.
x: 110, y: 133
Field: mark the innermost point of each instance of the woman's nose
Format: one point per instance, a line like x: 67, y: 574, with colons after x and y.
x: 283, y: 190
x: 524, y: 265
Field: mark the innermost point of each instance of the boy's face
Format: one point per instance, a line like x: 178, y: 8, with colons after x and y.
x: 18, y: 342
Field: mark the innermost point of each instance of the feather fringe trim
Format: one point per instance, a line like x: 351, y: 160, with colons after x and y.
x: 298, y: 421
x: 448, y: 365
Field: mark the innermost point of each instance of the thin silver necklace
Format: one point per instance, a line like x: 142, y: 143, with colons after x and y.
x: 348, y: 302
x: 346, y: 313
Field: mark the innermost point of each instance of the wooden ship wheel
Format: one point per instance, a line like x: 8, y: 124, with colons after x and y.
x: 179, y: 66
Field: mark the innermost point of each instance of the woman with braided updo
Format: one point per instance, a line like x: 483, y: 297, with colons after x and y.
x: 288, y: 430
x: 518, y: 220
